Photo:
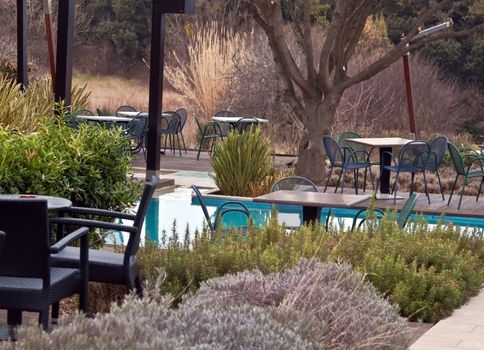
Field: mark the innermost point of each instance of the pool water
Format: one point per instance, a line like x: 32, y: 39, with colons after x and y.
x: 179, y: 209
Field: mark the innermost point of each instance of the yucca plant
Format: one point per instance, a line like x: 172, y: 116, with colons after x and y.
x: 240, y: 161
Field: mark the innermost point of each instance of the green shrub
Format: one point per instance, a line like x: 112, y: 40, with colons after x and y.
x: 314, y: 306
x: 428, y: 272
x: 89, y: 166
x: 240, y: 162
x: 26, y: 110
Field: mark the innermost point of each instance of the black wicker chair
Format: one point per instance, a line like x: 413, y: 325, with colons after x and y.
x: 170, y: 127
x: 105, y: 266
x: 27, y: 279
x: 136, y: 131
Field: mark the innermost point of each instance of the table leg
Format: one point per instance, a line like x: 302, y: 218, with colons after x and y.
x: 385, y: 159
x: 311, y: 214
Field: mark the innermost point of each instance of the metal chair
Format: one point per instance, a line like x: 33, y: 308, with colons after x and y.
x: 170, y: 126
x: 28, y: 280
x: 403, y: 217
x: 183, y: 113
x: 125, y: 108
x: 294, y: 183
x: 413, y: 158
x: 106, y: 266
x: 438, y: 147
x: 225, y: 127
x: 210, y: 131
x: 349, y: 147
x: 226, y: 208
x: 460, y: 169
x: 83, y: 112
x: 338, y: 159
x: 246, y: 124
x: 136, y: 131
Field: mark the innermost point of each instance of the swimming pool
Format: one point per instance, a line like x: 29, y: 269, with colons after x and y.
x: 180, y: 209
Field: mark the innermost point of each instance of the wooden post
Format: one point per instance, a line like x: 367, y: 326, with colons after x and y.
x: 65, y: 38
x: 50, y: 41
x: 22, y: 57
x: 408, y: 88
x: 156, y: 91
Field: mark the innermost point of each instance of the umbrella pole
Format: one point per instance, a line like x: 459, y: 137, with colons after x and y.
x: 50, y: 41
x: 408, y: 86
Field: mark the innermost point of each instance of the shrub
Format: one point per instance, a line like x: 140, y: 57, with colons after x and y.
x: 26, y: 110
x: 242, y: 161
x: 428, y: 272
x: 88, y: 166
x: 336, y: 310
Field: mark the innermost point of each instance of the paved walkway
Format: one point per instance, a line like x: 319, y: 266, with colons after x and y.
x: 463, y: 330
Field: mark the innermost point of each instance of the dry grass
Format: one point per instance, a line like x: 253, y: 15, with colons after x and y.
x: 204, y: 77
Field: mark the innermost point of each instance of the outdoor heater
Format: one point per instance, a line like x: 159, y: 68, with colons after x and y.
x: 406, y: 69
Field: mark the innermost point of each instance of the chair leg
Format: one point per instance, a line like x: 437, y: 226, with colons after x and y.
x: 480, y: 188
x: 200, y: 146
x: 364, y: 180
x: 139, y: 286
x: 179, y: 144
x: 462, y: 192
x: 356, y: 181
x: 395, y: 186
x: 426, y: 188
x: 372, y: 180
x: 453, y: 188
x: 440, y: 185
x: 44, y: 318
x: 411, y: 183
x: 344, y: 178
x: 327, y: 180
x: 183, y: 139
x: 339, y: 179
x: 55, y: 312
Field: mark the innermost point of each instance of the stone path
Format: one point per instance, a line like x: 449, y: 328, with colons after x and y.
x: 464, y: 330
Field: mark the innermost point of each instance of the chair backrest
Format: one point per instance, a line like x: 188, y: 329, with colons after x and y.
x: 233, y: 212
x: 137, y: 127
x: 183, y: 113
x: 125, y: 109
x: 246, y: 124
x: 26, y: 248
x: 198, y: 123
x: 224, y: 114
x: 456, y: 159
x: 2, y: 240
x: 438, y: 148
x: 171, y: 120
x: 333, y: 151
x: 203, y: 205
x: 414, y: 153
x: 348, y: 135
x: 134, y: 239
x: 294, y: 183
x: 83, y: 112
x: 407, y: 209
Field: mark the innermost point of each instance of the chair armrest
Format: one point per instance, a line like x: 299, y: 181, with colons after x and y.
x: 99, y: 212
x: 481, y: 163
x: 71, y: 237
x: 94, y: 224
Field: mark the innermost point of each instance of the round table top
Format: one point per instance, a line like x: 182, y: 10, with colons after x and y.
x: 53, y: 203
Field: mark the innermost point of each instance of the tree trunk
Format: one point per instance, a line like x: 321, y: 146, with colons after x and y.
x: 317, y: 120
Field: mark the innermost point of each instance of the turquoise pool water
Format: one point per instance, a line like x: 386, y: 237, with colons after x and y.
x: 179, y: 209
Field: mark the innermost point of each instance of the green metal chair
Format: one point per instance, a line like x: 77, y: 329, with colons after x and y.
x: 403, y: 217
x: 459, y: 164
x: 209, y: 131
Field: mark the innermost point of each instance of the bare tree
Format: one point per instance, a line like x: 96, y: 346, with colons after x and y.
x: 314, y: 89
